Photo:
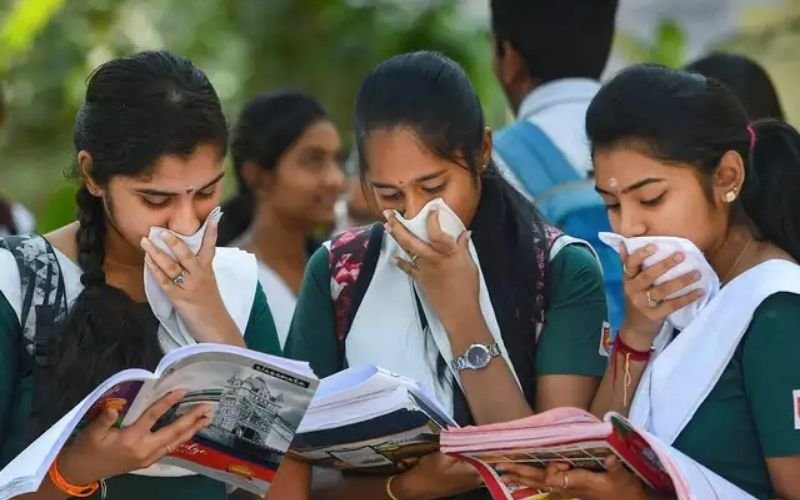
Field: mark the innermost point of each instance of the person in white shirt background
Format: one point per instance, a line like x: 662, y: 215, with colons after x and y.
x: 287, y: 155
x: 548, y: 57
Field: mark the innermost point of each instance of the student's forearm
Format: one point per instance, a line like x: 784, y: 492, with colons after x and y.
x: 492, y: 392
x: 620, y: 380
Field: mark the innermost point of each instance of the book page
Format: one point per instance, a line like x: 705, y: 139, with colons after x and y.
x: 257, y: 408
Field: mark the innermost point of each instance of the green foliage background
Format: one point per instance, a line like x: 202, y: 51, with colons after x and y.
x: 48, y: 47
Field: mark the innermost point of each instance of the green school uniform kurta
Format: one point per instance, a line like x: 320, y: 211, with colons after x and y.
x: 16, y: 396
x: 569, y: 343
x: 750, y: 414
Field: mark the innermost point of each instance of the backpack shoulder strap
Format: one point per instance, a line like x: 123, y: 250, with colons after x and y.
x: 533, y: 157
x: 352, y: 255
x: 44, y: 298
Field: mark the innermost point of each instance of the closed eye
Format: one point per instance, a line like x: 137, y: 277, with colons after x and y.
x: 394, y: 196
x: 156, y: 201
x: 654, y: 201
x: 208, y: 193
x: 434, y: 189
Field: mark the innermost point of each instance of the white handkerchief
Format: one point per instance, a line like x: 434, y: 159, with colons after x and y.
x: 694, y: 261
x: 448, y: 220
x: 159, y: 302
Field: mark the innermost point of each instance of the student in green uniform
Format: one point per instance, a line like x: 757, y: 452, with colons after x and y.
x: 421, y: 135
x: 150, y: 141
x: 674, y: 156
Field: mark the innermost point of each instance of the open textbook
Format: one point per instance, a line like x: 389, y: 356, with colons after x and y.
x: 367, y: 419
x: 581, y: 439
x: 258, y: 399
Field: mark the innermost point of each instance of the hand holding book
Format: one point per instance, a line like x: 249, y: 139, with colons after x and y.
x: 568, y: 482
x: 436, y: 476
x: 102, y: 450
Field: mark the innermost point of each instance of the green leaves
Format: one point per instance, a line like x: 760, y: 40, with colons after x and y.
x: 668, y: 47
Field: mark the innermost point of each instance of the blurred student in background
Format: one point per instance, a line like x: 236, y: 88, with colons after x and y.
x: 746, y: 78
x: 288, y: 160
x: 14, y: 218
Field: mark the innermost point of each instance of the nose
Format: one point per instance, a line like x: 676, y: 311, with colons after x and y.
x: 631, y: 224
x: 413, y: 205
x: 335, y: 178
x: 184, y: 219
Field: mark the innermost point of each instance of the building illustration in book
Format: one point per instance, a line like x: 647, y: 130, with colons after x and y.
x: 247, y: 418
x: 246, y: 413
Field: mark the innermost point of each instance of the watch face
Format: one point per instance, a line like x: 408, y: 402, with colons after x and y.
x: 477, y: 356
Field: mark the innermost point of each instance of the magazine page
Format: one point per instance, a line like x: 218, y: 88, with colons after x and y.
x: 387, y: 444
x: 259, y: 401
x: 25, y: 473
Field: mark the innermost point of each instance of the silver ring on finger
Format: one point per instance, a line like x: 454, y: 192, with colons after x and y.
x: 413, y: 261
x: 627, y: 272
x: 169, y: 449
x: 650, y: 302
x: 180, y: 279
x: 565, y: 486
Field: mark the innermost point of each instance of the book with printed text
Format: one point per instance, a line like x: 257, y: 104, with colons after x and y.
x: 259, y: 401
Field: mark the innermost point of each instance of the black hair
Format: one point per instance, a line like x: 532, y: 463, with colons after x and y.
x: 432, y: 96
x: 557, y: 39
x: 268, y: 126
x: 7, y: 224
x: 687, y: 118
x: 746, y: 78
x: 137, y: 109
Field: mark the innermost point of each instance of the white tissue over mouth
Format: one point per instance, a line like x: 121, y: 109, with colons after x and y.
x: 448, y: 220
x: 694, y: 261
x: 158, y: 300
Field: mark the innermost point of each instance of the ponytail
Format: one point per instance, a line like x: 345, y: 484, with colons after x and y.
x: 771, y: 193
x: 104, y: 331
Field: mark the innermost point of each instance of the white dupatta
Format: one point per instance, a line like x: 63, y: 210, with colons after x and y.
x: 684, y: 371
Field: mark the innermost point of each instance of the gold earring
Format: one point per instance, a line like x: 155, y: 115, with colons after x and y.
x: 730, y: 196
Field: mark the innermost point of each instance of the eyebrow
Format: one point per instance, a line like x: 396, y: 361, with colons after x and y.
x: 156, y: 192
x: 633, y: 187
x: 424, y: 178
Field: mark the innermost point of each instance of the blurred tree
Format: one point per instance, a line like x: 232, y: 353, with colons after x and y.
x: 668, y: 47
x: 322, y: 46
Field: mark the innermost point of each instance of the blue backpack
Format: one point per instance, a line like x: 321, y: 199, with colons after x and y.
x: 567, y: 200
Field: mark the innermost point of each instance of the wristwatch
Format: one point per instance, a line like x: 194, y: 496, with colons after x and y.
x: 476, y: 357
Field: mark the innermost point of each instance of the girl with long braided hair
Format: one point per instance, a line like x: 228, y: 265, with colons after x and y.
x: 150, y: 141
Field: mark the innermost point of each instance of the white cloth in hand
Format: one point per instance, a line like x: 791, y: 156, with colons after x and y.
x: 174, y: 332
x: 694, y: 261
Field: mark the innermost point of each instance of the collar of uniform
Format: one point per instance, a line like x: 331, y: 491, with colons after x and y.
x: 557, y: 92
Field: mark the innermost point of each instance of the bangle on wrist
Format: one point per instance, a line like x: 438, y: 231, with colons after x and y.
x: 70, y: 489
x: 389, y: 488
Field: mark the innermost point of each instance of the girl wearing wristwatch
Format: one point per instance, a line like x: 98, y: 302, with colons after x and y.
x: 534, y: 345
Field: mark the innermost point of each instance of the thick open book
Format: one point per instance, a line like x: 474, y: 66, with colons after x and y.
x: 259, y: 401
x: 370, y: 420
x: 582, y: 440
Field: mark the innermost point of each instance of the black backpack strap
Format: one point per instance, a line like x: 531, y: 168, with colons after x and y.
x: 44, y: 298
